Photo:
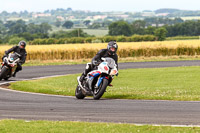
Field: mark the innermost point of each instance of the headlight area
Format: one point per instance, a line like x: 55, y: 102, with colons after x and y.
x: 113, y: 72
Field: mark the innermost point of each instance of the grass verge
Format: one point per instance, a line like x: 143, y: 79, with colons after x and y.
x: 121, y: 60
x: 21, y: 126
x: 175, y: 83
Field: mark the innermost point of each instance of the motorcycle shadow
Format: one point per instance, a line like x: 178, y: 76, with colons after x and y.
x: 91, y: 98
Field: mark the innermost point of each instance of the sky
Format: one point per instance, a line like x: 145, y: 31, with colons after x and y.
x: 97, y: 5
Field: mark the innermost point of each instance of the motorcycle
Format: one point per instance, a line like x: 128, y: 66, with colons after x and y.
x: 96, y: 81
x: 9, y: 66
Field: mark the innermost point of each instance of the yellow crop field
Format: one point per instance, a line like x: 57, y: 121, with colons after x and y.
x: 128, y: 49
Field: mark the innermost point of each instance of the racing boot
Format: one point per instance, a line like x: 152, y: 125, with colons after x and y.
x: 14, y: 75
x: 82, y: 78
x: 110, y: 85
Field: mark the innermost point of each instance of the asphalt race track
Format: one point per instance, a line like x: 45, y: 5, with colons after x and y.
x: 29, y: 106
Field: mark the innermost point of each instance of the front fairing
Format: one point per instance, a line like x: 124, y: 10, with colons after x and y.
x: 12, y: 57
x: 103, y: 68
x: 106, y: 69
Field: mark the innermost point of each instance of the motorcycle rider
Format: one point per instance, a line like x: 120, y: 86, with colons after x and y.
x: 109, y: 52
x: 20, y: 49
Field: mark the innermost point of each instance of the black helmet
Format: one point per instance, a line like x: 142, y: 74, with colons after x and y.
x: 22, y: 43
x: 112, y: 44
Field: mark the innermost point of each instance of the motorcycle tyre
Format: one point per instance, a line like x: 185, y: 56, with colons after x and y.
x: 78, y: 93
x: 3, y: 73
x: 103, y: 86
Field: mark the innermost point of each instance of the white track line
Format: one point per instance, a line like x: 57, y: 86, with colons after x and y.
x: 33, y: 92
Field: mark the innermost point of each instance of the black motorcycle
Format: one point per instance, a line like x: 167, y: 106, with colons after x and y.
x: 9, y: 66
x: 96, y: 81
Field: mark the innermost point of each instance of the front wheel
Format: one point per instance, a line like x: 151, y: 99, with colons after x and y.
x: 98, y: 92
x: 3, y: 72
x: 78, y: 93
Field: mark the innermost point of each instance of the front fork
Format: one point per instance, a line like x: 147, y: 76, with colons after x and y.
x: 98, y: 82
x: 90, y: 81
x: 2, y: 64
x: 13, y: 69
x: 100, y: 79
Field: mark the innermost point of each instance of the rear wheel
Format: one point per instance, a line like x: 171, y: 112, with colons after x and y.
x: 98, y: 92
x: 3, y: 72
x: 78, y: 93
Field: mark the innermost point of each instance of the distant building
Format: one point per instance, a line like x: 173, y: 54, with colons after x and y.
x: 162, y: 14
x: 60, y: 18
x: 157, y: 25
x: 41, y: 15
x: 148, y: 14
x: 122, y: 16
x: 70, y: 17
x: 99, y: 17
x: 88, y: 18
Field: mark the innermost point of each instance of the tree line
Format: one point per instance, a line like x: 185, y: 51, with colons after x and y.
x: 13, y: 31
x: 187, y: 28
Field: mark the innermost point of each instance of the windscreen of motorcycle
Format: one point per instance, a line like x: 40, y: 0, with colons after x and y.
x: 12, y: 57
x: 111, y: 62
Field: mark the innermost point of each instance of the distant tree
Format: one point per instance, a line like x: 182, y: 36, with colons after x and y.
x: 69, y: 9
x: 78, y: 33
x: 150, y: 30
x: 95, y: 26
x: 57, y: 23
x: 138, y: 27
x: 178, y: 20
x: 17, y: 28
x: 68, y: 24
x: 9, y: 24
x: 119, y: 28
x: 106, y: 23
x: 44, y: 28
x: 166, y: 10
x: 32, y: 28
x: 4, y: 13
x: 187, y: 28
x: 73, y: 33
x: 15, y: 40
x: 86, y: 22
x: 29, y: 37
x: 161, y: 33
x: 2, y: 28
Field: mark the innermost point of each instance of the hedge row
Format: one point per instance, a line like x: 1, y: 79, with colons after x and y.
x: 183, y: 38
x: 134, y: 38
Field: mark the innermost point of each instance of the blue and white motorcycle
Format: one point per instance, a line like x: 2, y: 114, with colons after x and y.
x: 96, y: 81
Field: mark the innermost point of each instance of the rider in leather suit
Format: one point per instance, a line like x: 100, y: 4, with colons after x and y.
x: 109, y: 52
x: 20, y: 49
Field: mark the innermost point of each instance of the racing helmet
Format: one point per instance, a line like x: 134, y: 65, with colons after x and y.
x: 22, y: 43
x: 112, y: 47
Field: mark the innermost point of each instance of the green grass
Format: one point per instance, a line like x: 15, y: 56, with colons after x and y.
x: 55, y: 62
x: 176, y: 83
x: 21, y: 126
x: 95, y: 32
